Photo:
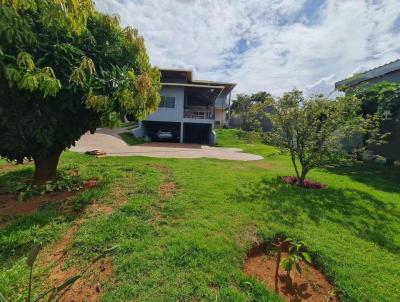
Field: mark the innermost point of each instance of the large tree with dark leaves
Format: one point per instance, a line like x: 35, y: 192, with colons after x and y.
x: 66, y: 69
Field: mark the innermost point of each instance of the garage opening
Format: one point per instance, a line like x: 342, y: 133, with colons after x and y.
x: 163, y: 131
x: 196, y: 133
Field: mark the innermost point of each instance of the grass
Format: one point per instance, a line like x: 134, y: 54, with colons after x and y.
x: 128, y: 138
x: 190, y: 246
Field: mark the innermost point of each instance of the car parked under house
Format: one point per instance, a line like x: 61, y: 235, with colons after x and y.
x: 189, y: 109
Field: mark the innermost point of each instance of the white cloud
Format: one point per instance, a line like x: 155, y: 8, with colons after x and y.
x: 267, y: 45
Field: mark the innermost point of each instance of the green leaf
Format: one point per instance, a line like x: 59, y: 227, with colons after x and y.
x: 2, y: 299
x: 306, y: 257
x: 287, y: 264
x: 32, y: 255
x: 24, y: 60
x: 68, y: 282
x: 105, y: 252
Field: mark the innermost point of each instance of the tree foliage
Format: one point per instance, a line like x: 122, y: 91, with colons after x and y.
x: 312, y: 130
x: 66, y: 69
x: 382, y: 99
x: 251, y: 109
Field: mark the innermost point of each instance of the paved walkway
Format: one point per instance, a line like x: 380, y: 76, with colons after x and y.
x: 109, y: 141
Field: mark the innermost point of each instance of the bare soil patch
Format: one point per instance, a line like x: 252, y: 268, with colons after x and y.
x: 167, y: 189
x: 311, y: 286
x: 161, y: 168
x: 308, y: 183
x: 90, y: 287
x: 168, y: 186
x: 9, y: 205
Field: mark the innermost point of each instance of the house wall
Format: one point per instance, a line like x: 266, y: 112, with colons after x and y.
x: 170, y: 114
x: 222, y: 100
x: 220, y: 117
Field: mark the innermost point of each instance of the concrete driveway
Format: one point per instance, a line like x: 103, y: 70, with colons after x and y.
x: 108, y: 140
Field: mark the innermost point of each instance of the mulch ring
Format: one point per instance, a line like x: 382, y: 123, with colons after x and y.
x: 9, y: 205
x: 311, y: 285
x: 308, y: 184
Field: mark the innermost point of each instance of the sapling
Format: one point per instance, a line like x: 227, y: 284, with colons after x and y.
x: 278, y: 261
x: 296, y: 254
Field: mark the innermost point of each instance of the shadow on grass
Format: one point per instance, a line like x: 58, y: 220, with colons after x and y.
x: 381, y: 177
x: 11, y: 178
x: 357, y: 211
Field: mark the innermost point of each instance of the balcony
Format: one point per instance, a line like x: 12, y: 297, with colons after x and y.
x: 199, y: 112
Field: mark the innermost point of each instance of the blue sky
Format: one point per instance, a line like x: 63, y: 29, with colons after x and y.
x: 271, y: 45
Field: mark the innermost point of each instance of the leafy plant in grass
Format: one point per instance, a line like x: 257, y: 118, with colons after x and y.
x: 313, y: 130
x: 64, y: 182
x: 66, y: 69
x: 296, y: 254
x: 56, y: 292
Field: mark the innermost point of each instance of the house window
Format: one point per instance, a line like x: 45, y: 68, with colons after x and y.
x: 167, y: 102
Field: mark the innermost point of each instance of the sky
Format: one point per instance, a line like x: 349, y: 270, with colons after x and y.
x: 266, y: 45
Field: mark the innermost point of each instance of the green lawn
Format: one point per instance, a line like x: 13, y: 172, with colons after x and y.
x: 190, y: 246
x: 128, y: 138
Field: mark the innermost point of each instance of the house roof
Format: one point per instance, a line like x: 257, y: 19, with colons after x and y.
x: 370, y: 74
x: 188, y: 74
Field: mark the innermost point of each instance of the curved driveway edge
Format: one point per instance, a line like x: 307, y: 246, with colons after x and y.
x: 109, y: 141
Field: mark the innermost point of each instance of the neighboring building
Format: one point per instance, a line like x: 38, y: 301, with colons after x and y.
x: 190, y: 109
x: 391, y: 73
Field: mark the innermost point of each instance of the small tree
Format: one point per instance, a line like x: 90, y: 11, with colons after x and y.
x: 312, y: 130
x: 66, y: 69
x: 251, y: 109
x: 296, y: 254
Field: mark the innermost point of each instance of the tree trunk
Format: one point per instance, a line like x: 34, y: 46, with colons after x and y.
x: 302, y: 176
x: 278, y: 261
x: 288, y: 279
x: 293, y: 158
x: 45, y: 169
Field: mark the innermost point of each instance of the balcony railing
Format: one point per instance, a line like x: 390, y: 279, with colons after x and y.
x: 199, y: 112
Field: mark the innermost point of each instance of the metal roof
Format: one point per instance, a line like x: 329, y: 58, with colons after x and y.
x: 227, y: 86
x: 370, y: 74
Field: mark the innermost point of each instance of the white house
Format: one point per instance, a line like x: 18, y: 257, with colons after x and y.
x: 190, y: 109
